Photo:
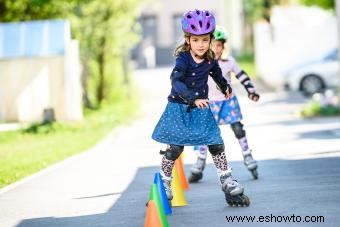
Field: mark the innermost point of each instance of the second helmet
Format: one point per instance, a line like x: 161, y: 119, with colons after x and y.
x: 220, y: 33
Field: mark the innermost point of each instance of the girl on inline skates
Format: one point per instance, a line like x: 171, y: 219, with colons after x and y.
x: 226, y: 111
x: 187, y: 119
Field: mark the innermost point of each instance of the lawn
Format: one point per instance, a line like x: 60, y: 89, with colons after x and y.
x: 27, y: 151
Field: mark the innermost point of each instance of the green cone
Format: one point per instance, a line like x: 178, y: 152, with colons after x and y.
x: 156, y: 198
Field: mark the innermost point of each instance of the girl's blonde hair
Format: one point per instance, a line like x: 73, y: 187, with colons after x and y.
x: 209, y: 55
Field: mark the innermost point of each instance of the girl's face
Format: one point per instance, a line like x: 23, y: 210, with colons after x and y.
x: 217, y: 47
x: 199, y: 44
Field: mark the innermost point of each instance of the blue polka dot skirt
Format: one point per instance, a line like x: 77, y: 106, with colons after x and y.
x: 226, y: 111
x: 177, y: 126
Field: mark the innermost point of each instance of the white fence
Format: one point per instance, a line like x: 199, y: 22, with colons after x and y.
x: 39, y: 70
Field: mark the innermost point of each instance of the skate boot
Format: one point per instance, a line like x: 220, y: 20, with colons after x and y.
x: 233, y: 191
x: 167, y: 185
x: 250, y: 163
x: 197, y: 169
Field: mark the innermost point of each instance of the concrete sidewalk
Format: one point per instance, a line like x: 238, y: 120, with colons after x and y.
x: 299, y: 167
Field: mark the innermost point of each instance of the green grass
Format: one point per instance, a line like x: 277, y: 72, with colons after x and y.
x: 247, y: 63
x: 28, y: 151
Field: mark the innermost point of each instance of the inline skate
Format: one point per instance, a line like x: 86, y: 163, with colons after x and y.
x: 250, y: 163
x: 233, y: 191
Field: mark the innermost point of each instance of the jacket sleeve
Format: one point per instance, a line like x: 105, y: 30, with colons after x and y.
x: 177, y: 80
x: 216, y: 74
x: 243, y: 77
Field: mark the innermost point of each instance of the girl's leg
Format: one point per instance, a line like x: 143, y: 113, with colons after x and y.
x: 172, y: 152
x: 228, y: 183
x: 233, y: 191
x: 240, y: 134
x: 198, y: 167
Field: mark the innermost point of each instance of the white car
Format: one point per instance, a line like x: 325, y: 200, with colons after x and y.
x: 316, y: 76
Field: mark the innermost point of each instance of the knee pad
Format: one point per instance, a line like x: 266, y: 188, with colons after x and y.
x: 173, y: 152
x: 216, y: 149
x: 238, y: 130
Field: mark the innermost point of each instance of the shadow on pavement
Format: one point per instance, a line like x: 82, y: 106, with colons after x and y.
x: 305, y: 187
x: 319, y: 134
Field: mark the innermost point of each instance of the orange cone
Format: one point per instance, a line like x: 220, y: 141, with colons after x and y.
x: 181, y: 173
x: 152, y: 218
x: 179, y: 199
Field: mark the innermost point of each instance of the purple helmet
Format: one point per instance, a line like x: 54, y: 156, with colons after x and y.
x: 198, y: 22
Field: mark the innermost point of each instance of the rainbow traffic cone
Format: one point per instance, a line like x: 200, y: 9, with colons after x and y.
x: 181, y: 173
x: 161, y: 191
x: 152, y: 218
x: 154, y: 196
x: 178, y: 199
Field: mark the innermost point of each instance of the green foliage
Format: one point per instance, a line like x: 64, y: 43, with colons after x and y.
x: 253, y: 10
x: 23, y: 10
x: 326, y: 4
x: 315, y: 109
x: 245, y: 56
x: 25, y: 152
x: 106, y: 30
x: 258, y: 9
x: 247, y: 63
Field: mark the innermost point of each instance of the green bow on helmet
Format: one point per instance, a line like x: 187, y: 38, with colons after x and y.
x: 220, y: 33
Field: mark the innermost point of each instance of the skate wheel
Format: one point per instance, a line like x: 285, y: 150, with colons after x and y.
x: 230, y: 203
x: 239, y: 200
x: 246, y: 200
x: 234, y: 204
x: 255, y: 174
x: 195, y: 177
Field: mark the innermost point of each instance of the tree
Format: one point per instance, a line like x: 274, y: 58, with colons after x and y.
x: 105, y: 30
x: 24, y: 10
x: 257, y: 10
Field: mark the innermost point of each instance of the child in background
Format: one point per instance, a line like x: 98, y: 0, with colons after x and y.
x: 187, y: 119
x: 226, y: 111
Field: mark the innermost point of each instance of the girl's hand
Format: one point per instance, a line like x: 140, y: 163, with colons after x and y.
x: 228, y: 94
x: 254, y: 97
x: 202, y: 103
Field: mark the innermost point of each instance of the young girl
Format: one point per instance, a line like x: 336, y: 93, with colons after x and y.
x: 226, y: 111
x: 187, y: 119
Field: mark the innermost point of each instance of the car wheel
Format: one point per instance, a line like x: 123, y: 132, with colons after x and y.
x: 311, y: 84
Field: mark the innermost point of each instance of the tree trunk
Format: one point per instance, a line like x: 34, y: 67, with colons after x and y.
x: 84, y: 82
x: 101, y: 66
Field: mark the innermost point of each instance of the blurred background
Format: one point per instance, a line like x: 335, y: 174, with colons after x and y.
x: 67, y: 66
x: 57, y: 57
x: 93, y: 75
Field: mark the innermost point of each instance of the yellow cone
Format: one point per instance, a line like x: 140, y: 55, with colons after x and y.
x: 179, y: 198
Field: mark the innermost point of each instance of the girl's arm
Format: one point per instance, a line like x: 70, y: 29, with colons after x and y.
x: 177, y: 83
x: 222, y: 83
x: 243, y: 77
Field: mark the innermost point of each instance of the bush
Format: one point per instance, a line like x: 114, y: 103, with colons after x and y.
x: 326, y: 104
